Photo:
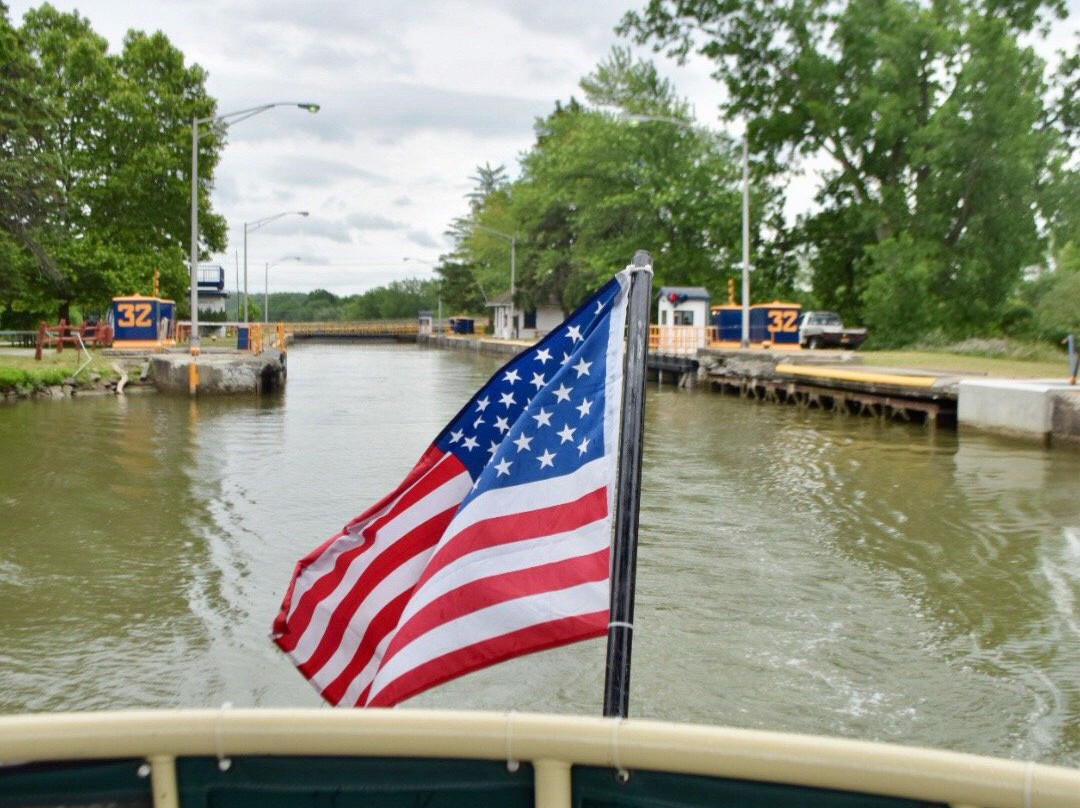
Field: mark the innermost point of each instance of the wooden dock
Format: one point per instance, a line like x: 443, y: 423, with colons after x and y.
x: 835, y: 381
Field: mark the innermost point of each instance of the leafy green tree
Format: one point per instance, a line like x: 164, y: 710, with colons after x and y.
x: 478, y: 267
x: 118, y: 130
x: 397, y: 300
x: 27, y: 184
x: 597, y: 186
x: 935, y: 121
x: 488, y: 179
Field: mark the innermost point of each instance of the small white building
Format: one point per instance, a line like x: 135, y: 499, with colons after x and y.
x: 538, y: 322
x: 527, y: 324
x: 682, y: 320
x: 501, y: 325
x: 425, y: 322
x: 210, y: 296
x: 683, y: 305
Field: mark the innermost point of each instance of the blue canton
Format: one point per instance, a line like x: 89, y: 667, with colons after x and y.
x: 542, y: 414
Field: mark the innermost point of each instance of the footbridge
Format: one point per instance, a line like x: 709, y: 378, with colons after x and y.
x: 378, y: 330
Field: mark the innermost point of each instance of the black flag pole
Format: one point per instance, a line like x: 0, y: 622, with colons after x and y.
x: 628, y: 493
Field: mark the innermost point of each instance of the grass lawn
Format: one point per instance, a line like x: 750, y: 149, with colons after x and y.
x: 18, y: 366
x: 1002, y: 367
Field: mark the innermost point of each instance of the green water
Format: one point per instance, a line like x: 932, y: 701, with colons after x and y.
x: 797, y: 571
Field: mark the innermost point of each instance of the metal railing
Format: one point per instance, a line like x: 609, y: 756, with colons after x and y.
x: 18, y: 339
x: 680, y: 339
x: 355, y: 328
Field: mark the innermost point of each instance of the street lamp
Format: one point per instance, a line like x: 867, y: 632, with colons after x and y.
x: 196, y: 122
x: 266, y: 287
x: 248, y: 227
x: 513, y: 242
x: 744, y: 340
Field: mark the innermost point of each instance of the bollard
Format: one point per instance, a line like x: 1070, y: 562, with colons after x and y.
x: 1074, y: 360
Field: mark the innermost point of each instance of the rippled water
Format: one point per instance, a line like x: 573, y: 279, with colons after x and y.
x: 797, y: 570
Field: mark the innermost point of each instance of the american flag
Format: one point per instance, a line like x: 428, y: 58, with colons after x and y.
x: 497, y: 542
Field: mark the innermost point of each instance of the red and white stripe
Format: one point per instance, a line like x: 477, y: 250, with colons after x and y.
x: 519, y: 570
x: 414, y: 591
x: 349, y: 593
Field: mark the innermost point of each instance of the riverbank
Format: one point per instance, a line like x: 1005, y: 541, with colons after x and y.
x: 70, y: 373
x: 222, y: 370
x: 1026, y: 399
x: 1031, y: 400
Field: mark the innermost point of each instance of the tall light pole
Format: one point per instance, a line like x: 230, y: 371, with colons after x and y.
x: 512, y: 238
x: 250, y: 226
x: 744, y: 338
x: 266, y: 287
x: 196, y: 122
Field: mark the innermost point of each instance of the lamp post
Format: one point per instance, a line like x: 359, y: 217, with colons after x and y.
x: 196, y: 122
x: 248, y: 227
x: 513, y: 243
x: 744, y: 339
x: 266, y: 287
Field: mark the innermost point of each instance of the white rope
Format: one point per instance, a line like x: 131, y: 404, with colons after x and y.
x: 1029, y: 777
x: 512, y: 765
x: 224, y: 763
x: 621, y: 774
x: 620, y: 624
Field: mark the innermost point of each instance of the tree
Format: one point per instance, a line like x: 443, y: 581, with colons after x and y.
x: 27, y: 180
x: 477, y: 269
x: 488, y: 179
x: 933, y: 117
x: 596, y: 187
x: 118, y: 133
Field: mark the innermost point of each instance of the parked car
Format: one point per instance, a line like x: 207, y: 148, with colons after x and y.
x: 825, y: 329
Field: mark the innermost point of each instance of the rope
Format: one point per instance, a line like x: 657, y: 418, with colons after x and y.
x: 224, y: 763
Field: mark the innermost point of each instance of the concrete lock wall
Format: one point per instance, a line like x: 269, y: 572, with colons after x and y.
x: 1047, y: 410
x: 221, y: 375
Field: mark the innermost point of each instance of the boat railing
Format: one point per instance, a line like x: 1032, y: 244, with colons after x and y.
x: 261, y: 757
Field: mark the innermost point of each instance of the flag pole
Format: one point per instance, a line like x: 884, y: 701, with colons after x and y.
x: 628, y: 493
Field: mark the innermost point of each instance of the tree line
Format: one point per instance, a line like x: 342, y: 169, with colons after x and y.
x: 947, y: 206
x: 398, y: 300
x: 949, y: 199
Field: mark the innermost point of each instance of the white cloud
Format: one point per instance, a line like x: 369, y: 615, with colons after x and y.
x: 414, y: 96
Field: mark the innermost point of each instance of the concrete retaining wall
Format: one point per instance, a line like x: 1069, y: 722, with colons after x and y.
x: 221, y: 374
x: 497, y: 347
x: 1045, y: 410
x: 1065, y: 418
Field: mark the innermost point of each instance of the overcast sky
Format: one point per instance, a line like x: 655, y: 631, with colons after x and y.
x: 414, y: 96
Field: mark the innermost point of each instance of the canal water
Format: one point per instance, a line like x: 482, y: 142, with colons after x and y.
x: 797, y: 570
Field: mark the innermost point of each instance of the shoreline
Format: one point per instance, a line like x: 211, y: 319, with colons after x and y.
x: 1044, y: 410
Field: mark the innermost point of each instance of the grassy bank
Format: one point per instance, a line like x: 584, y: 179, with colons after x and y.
x: 974, y: 365
x: 18, y: 368
x: 1001, y: 358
